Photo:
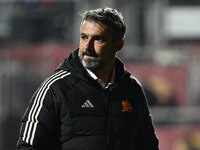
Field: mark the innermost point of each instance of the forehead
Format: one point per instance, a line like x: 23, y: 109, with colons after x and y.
x: 91, y: 27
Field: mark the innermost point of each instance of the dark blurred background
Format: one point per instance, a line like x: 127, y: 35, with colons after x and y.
x: 162, y: 50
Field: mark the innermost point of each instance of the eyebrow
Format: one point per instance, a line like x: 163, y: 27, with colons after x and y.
x: 94, y: 36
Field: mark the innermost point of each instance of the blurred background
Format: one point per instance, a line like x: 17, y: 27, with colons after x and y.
x: 162, y: 50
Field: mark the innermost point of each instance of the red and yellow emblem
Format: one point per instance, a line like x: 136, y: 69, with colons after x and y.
x: 126, y: 106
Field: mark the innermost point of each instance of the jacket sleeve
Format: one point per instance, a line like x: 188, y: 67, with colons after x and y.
x: 39, y: 128
x: 146, y: 137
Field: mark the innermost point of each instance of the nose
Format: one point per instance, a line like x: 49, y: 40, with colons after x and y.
x: 89, y: 44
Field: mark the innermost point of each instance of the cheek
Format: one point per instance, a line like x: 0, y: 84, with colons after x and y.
x: 80, y: 51
x: 80, y: 45
x: 108, y: 54
x: 101, y: 51
x: 104, y: 50
x: 108, y: 50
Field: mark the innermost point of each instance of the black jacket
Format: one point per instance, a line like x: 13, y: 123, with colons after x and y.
x: 71, y: 111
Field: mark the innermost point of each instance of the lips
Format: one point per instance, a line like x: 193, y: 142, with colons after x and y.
x: 89, y: 53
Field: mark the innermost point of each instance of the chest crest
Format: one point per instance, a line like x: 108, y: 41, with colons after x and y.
x: 126, y: 106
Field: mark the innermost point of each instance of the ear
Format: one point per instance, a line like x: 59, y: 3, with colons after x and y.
x: 119, y: 44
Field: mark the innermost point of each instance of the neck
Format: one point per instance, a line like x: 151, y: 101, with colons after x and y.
x: 105, y: 75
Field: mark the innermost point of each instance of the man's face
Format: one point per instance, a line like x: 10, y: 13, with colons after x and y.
x: 97, y: 49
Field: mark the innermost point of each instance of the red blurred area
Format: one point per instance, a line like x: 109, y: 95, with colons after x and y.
x: 172, y: 79
x: 166, y: 81
x: 179, y: 137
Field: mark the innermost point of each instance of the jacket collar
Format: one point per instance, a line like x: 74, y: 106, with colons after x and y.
x: 103, y: 85
x: 74, y: 65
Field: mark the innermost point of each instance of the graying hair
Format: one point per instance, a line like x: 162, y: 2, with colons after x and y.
x: 110, y: 17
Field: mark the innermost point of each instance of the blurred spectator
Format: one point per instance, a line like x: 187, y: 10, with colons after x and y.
x: 159, y: 91
x: 191, y: 141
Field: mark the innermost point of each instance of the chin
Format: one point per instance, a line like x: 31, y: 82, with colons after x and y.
x: 93, y: 65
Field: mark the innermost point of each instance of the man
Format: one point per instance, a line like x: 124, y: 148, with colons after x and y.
x: 91, y: 102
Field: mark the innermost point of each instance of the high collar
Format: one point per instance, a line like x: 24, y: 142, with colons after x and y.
x: 103, y: 85
x: 74, y: 65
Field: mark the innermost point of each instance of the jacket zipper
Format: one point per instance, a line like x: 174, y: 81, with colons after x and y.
x: 108, y: 115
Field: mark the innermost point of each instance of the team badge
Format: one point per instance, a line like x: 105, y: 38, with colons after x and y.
x: 126, y: 106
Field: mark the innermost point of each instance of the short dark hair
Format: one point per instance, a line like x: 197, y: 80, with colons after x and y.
x: 110, y: 17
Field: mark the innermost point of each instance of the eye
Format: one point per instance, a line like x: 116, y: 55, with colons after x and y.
x: 99, y: 39
x: 83, y: 37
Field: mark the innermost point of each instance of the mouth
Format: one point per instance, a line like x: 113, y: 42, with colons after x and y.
x: 89, y: 54
x: 89, y: 58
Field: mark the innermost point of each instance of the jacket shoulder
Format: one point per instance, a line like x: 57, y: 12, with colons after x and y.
x: 135, y: 81
x: 57, y: 78
x: 61, y: 82
x: 138, y: 89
